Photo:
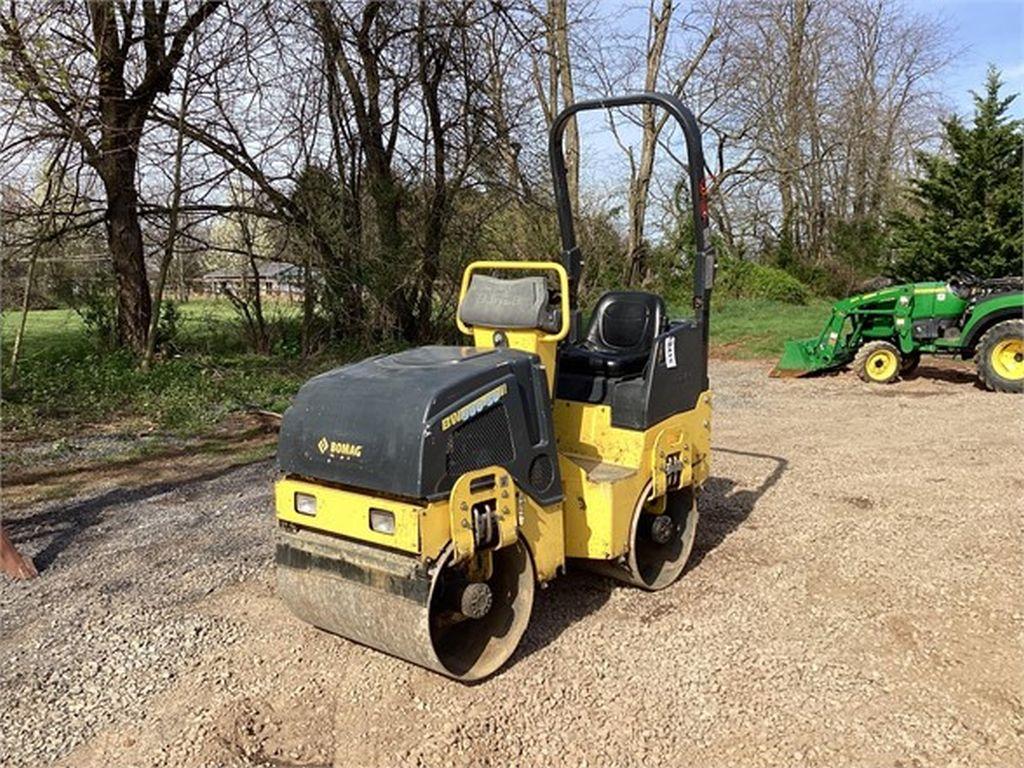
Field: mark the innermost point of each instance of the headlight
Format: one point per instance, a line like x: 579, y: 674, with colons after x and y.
x: 305, y: 503
x: 382, y: 521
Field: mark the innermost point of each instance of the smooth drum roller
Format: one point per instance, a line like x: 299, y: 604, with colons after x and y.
x: 391, y: 602
x: 660, y: 542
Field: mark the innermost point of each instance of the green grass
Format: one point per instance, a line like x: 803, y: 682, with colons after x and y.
x: 756, y: 328
x: 51, y: 333
x: 65, y: 384
x: 204, y: 326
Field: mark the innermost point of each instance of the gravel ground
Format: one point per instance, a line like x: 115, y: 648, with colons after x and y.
x: 855, y: 598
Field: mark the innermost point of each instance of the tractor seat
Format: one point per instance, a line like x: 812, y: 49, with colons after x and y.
x: 619, y: 337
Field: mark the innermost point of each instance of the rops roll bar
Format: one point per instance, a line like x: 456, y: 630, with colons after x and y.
x: 705, y: 263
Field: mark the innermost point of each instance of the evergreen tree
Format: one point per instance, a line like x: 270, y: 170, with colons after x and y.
x: 965, y: 212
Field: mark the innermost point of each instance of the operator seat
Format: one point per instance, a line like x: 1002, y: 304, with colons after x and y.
x: 619, y: 337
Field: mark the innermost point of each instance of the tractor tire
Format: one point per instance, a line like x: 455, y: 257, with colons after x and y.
x: 1000, y: 357
x: 878, y: 362
x: 910, y: 363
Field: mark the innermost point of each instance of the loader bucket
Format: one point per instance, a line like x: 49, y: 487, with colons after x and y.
x: 799, y: 358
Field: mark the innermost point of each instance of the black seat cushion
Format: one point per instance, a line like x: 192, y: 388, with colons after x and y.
x: 619, y: 337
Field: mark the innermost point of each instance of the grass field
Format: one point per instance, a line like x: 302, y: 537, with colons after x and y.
x: 756, y: 328
x: 65, y: 384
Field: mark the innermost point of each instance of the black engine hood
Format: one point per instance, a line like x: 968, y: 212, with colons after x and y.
x: 384, y: 424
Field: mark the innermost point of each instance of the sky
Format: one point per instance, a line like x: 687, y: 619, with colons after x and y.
x: 980, y: 32
x: 987, y: 31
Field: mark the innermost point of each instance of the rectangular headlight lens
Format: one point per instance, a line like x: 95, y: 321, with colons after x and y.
x: 382, y: 521
x: 305, y: 503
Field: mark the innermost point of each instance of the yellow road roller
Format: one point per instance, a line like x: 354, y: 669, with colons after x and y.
x: 426, y: 494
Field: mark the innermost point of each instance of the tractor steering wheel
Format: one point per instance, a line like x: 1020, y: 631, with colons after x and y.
x: 963, y: 282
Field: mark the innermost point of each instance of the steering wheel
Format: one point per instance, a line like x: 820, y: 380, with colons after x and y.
x: 962, y: 282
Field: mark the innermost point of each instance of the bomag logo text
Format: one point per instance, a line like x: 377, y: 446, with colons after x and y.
x: 467, y: 412
x: 338, y: 449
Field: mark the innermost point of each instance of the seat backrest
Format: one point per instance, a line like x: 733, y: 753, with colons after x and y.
x: 495, y: 302
x: 625, y: 321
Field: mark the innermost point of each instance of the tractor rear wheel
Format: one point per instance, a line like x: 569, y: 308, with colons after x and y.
x: 1000, y: 357
x: 878, y: 362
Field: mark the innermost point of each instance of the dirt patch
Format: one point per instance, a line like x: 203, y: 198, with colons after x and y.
x: 49, y: 470
x: 854, y: 598
x: 729, y: 350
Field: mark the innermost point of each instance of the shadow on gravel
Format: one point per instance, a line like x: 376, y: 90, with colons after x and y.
x: 947, y: 373
x: 578, y: 594
x: 567, y: 599
x: 723, y: 509
x: 66, y: 523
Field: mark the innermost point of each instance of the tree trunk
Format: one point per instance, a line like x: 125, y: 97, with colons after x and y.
x: 54, y: 183
x: 307, y: 307
x: 19, y: 337
x: 262, y: 340
x: 182, y: 288
x: 559, y: 36
x: 172, y: 231
x: 431, y: 68
x: 793, y: 123
x: 339, y: 268
x: 364, y: 95
x: 124, y: 238
x: 640, y: 183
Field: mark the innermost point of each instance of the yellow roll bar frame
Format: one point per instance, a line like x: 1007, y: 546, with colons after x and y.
x: 529, y: 266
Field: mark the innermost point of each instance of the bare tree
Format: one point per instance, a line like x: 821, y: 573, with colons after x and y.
x: 173, y: 219
x: 53, y: 188
x: 814, y: 109
x: 101, y: 99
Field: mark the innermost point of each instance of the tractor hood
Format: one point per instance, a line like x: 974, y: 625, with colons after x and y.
x: 409, y: 424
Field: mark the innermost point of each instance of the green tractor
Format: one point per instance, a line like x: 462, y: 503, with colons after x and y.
x: 883, y: 334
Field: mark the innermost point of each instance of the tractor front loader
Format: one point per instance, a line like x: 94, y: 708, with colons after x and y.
x: 883, y: 334
x: 426, y: 494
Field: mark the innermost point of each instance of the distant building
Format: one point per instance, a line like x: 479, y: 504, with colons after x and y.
x: 277, y: 279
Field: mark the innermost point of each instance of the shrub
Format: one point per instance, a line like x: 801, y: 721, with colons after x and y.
x: 167, y: 326
x: 96, y: 303
x: 749, y: 280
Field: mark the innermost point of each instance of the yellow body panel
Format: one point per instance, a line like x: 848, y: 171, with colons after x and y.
x: 527, y: 340
x: 426, y: 530
x: 543, y: 530
x: 606, y: 469
x: 598, y: 512
x: 347, y: 513
x: 585, y: 430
